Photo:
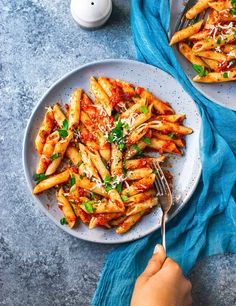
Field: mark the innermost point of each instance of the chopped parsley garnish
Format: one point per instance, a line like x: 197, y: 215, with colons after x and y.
x: 136, y: 96
x: 119, y: 187
x: 124, y: 170
x: 93, y: 195
x: 107, y: 179
x: 225, y: 75
x: 65, y: 124
x: 146, y: 140
x: 116, y: 116
x: 233, y: 2
x: 124, y: 198
x: 72, y: 180
x: 39, y: 177
x: 116, y: 133
x: 88, y: 206
x: 55, y: 156
x: 63, y: 221
x: 233, y: 11
x: 171, y: 135
x: 78, y: 164
x: 232, y: 62
x: 62, y: 133
x: 121, y: 146
x: 108, y: 187
x: 81, y: 176
x: 135, y: 146
x: 126, y: 126
x: 218, y: 40
x: 200, y: 70
x: 139, y: 154
x: 207, y: 39
x: 144, y: 110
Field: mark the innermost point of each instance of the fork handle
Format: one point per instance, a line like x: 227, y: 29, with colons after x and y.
x: 163, y: 230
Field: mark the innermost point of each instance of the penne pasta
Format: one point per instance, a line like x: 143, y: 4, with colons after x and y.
x: 138, y: 174
x: 74, y: 155
x: 215, y: 77
x: 89, y: 166
x: 85, y: 183
x: 138, y: 207
x: 74, y: 113
x: 190, y: 55
x: 44, y: 130
x: 141, y: 162
x: 59, y: 116
x: 116, y: 161
x: 139, y: 186
x: 52, y: 181
x: 129, y: 222
x: 167, y: 146
x: 66, y: 208
x: 199, y: 7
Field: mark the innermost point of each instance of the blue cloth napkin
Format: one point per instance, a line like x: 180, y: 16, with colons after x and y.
x: 207, y: 225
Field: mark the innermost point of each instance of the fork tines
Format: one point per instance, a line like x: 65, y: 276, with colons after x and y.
x: 161, y: 184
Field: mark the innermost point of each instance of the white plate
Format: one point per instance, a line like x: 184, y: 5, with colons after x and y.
x: 186, y: 170
x: 221, y: 93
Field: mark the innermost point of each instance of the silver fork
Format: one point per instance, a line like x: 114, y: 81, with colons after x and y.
x: 183, y: 22
x: 165, y: 198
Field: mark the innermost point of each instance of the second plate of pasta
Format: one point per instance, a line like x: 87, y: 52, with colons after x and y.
x: 96, y: 133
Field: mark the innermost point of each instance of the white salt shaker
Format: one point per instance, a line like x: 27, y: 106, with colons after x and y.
x: 91, y: 14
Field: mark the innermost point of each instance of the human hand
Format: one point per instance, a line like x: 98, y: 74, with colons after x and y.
x: 162, y: 283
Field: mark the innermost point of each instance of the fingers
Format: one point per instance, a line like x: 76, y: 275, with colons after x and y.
x: 155, y: 263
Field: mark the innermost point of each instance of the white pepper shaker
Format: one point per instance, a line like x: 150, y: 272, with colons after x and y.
x: 91, y: 14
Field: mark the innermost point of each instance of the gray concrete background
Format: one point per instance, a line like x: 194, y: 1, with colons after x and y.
x: 40, y: 264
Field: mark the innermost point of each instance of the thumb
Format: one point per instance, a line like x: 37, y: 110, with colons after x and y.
x: 156, y: 262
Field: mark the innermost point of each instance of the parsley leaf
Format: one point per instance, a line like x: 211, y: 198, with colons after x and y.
x: 232, y: 62
x: 65, y: 124
x: 139, y: 154
x: 146, y: 140
x: 233, y: 2
x: 172, y: 135
x: 124, y: 198
x: 144, y: 110
x: 135, y: 146
x: 225, y: 75
x: 72, y: 180
x: 119, y: 187
x: 116, y: 133
x: 136, y: 96
x: 88, y: 206
x: 62, y: 133
x: 233, y: 11
x: 39, y: 177
x: 200, y: 70
x: 108, y: 187
x: 55, y: 156
x: 218, y: 40
x: 121, y: 146
x: 107, y: 179
x: 63, y: 221
x: 116, y: 116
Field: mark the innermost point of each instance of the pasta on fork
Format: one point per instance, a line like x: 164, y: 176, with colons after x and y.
x: 97, y: 153
x: 210, y: 46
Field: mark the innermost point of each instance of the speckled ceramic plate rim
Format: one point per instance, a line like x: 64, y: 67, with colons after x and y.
x: 28, y: 176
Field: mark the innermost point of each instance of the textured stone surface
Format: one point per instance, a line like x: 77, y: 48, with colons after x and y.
x: 40, y: 264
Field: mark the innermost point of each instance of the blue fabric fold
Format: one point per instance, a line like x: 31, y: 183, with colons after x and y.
x: 207, y: 225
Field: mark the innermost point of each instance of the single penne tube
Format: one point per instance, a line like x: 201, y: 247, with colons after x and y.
x: 185, y: 33
x: 98, y: 163
x: 138, y: 174
x: 134, y: 109
x: 171, y: 127
x: 216, y: 77
x: 84, y: 182
x: 127, y: 88
x: 229, y: 47
x: 141, y: 118
x: 107, y: 86
x: 134, y: 149
x: 138, y: 207
x: 142, y: 162
x: 118, y: 221
x: 199, y: 7
x: 74, y: 113
x: 100, y: 96
x: 44, y: 130
x: 67, y: 210
x: 91, y: 169
x: 58, y: 153
x: 211, y: 63
x: 178, y: 141
x: 190, y: 55
x: 139, y: 186
x: 85, y: 138
x: 164, y: 146
x: 48, y: 149
x: 129, y: 222
x: 103, y: 219
x: 59, y: 116
x: 74, y: 155
x: 136, y: 135
x: 220, y: 6
x: 172, y: 118
x: 116, y: 161
x: 104, y: 148
x: 115, y: 197
x: 212, y: 43
x: 141, y: 197
x: 213, y: 55
x: 80, y: 213
x: 162, y: 108
x: 201, y: 35
x: 106, y: 206
x: 85, y: 119
x: 52, y: 181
